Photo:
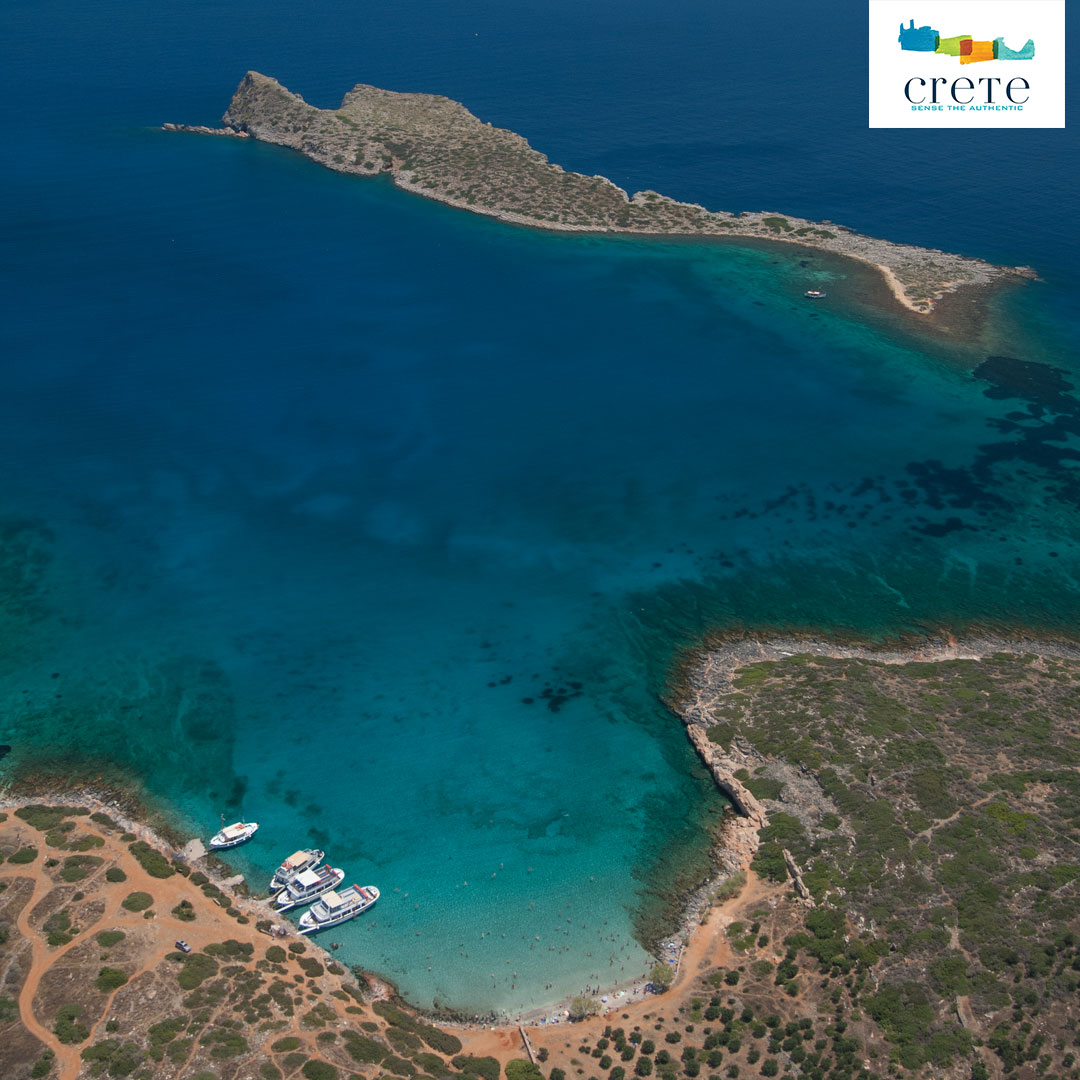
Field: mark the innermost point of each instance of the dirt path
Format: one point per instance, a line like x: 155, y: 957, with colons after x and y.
x: 709, y: 948
x: 67, y: 1057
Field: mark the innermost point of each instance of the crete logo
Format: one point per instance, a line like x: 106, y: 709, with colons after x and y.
x: 1008, y: 73
x: 925, y: 39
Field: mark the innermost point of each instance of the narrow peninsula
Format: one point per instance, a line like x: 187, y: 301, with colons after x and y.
x: 435, y: 147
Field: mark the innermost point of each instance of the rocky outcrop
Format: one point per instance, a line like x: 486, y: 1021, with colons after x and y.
x: 435, y: 147
x: 796, y: 878
x: 723, y: 769
x: 201, y: 129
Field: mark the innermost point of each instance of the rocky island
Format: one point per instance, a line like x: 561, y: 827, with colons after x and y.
x: 435, y: 147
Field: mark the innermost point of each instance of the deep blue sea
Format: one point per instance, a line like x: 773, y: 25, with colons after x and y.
x: 382, y: 523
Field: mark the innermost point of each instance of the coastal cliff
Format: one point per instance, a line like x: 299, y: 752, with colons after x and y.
x: 435, y: 147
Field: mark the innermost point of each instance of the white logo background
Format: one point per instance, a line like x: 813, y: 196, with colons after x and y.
x: 984, y: 20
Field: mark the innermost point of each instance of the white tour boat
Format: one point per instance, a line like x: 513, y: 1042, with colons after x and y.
x: 308, y: 885
x: 338, y: 907
x: 296, y: 863
x: 234, y: 834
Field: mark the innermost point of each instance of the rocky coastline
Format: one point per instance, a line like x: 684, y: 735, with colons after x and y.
x: 434, y: 147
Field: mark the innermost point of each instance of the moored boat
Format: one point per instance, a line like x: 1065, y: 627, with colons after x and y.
x: 296, y: 863
x: 338, y: 907
x: 234, y: 834
x: 814, y: 294
x: 309, y: 885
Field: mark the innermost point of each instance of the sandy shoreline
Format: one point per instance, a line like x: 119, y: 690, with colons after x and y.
x: 705, y: 674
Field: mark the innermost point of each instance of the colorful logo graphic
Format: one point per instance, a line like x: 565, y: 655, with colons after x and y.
x: 927, y: 40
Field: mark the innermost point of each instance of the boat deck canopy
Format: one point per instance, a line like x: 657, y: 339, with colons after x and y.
x: 297, y: 858
x: 308, y: 878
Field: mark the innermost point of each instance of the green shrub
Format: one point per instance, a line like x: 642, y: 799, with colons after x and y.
x: 438, y: 1039
x: 237, y: 950
x: 224, y: 1042
x: 59, y: 922
x: 165, y: 1031
x: 110, y: 979
x: 319, y: 1070
x: 67, y: 1027
x: 365, y: 1051
x: 196, y: 970
x: 108, y: 938
x: 114, y: 874
x: 23, y: 855
x: 283, y: 1046
x: 151, y: 860
x: 184, y: 911
x: 43, y: 1065
x: 432, y: 1064
x: 487, y: 1068
x: 519, y: 1069
x: 137, y: 901
x: 269, y: 1071
x: 76, y: 867
x: 276, y: 954
x: 46, y: 818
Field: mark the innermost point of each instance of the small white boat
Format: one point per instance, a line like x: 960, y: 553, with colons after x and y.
x: 335, y: 908
x: 234, y: 834
x: 296, y: 863
x: 815, y: 294
x: 309, y: 885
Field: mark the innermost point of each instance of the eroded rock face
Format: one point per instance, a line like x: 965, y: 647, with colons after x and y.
x: 723, y: 768
x: 435, y: 147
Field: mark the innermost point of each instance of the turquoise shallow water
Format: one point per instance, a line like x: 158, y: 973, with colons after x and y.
x: 382, y: 523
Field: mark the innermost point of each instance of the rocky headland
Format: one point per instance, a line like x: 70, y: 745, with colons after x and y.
x: 435, y: 147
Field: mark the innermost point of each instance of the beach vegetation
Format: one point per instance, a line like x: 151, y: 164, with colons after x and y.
x: 57, y: 837
x: 661, y: 975
x: 151, y: 860
x: 432, y: 1064
x: 584, y: 1005
x: 482, y: 1068
x: 46, y: 818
